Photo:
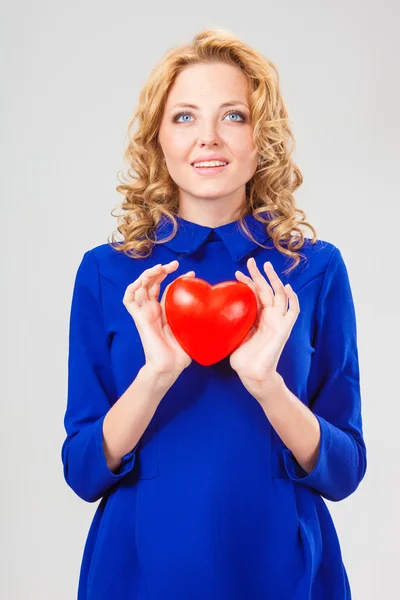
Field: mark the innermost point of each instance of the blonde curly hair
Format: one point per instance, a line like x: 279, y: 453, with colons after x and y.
x: 149, y: 192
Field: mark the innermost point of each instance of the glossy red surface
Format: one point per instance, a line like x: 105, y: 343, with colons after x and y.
x: 209, y: 321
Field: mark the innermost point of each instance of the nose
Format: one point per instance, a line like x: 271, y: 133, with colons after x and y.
x: 208, y: 132
x: 210, y: 137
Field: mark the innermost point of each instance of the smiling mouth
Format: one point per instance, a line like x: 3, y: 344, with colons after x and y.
x: 210, y: 170
x: 209, y: 166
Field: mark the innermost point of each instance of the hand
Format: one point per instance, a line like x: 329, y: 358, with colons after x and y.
x: 256, y: 358
x: 162, y: 351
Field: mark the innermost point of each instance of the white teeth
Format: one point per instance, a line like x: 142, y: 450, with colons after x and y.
x: 210, y: 163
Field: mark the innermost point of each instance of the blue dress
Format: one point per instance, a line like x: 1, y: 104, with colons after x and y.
x: 210, y: 504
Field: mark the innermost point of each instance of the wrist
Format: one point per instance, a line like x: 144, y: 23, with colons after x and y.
x: 158, y: 376
x: 265, y: 386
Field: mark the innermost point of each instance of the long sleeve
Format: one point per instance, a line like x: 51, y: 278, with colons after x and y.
x: 91, y: 391
x: 334, y: 391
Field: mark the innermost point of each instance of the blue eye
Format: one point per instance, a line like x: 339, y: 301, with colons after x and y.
x: 236, y: 112
x: 183, y: 113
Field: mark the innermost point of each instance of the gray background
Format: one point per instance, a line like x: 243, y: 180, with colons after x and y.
x: 71, y: 79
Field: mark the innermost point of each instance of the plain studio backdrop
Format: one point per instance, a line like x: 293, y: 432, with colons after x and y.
x: 71, y: 75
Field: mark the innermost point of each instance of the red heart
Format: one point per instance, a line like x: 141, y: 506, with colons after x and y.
x: 209, y: 321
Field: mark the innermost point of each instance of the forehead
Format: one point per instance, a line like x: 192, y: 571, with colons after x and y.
x: 209, y: 83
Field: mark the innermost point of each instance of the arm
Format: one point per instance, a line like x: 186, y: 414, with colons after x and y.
x: 103, y: 431
x: 126, y: 421
x: 334, y: 391
x: 294, y: 422
x: 334, y: 458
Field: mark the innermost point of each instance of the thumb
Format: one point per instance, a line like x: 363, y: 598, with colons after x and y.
x: 249, y: 335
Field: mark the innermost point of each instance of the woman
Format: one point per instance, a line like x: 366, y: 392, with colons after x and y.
x: 212, y: 479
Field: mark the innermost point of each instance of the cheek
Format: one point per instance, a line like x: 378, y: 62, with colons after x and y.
x: 176, y: 146
x: 247, y: 158
x: 242, y: 145
x: 172, y: 142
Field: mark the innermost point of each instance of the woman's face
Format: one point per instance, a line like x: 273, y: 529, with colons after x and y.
x: 209, y: 128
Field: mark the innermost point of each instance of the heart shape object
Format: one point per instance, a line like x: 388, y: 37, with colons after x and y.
x: 209, y: 321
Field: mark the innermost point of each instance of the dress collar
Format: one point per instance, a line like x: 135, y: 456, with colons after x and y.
x: 190, y: 236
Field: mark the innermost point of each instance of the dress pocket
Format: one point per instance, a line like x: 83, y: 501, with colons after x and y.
x: 278, y: 469
x: 147, y: 452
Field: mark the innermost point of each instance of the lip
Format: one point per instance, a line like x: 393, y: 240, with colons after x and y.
x: 209, y: 170
x: 210, y: 157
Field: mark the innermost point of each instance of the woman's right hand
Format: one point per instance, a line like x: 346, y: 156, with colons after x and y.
x: 162, y: 350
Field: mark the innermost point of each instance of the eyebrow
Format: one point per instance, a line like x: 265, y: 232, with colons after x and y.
x: 230, y: 103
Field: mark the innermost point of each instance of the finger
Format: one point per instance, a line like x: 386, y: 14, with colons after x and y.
x: 265, y: 290
x: 131, y: 289
x: 152, y: 277
x: 147, y: 277
x: 294, y: 305
x: 242, y: 277
x: 280, y: 298
x: 155, y: 285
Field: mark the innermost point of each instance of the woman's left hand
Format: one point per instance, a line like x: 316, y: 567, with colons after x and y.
x: 256, y: 359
